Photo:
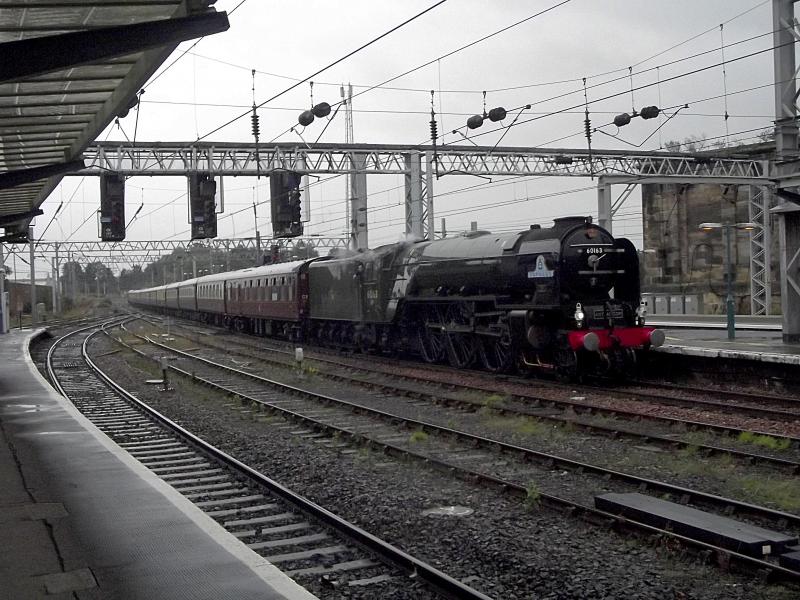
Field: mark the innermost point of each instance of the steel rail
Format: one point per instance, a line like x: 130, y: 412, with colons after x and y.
x: 579, y: 407
x: 442, y: 582
x: 770, y: 571
x: 745, y: 508
x: 792, y: 466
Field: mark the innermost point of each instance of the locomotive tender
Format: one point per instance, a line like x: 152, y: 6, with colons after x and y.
x: 564, y: 298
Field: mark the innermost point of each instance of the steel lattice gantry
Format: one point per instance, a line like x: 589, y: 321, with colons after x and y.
x: 130, y: 253
x: 417, y: 165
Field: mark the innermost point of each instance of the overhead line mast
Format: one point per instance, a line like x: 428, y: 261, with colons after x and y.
x: 347, y: 102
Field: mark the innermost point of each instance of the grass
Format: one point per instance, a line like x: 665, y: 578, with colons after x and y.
x: 494, y: 400
x: 525, y: 426
x: 142, y: 364
x: 765, y: 441
x: 689, y: 451
x: 418, y: 436
x: 533, y: 496
x: 475, y: 396
x: 783, y: 493
x: 774, y: 491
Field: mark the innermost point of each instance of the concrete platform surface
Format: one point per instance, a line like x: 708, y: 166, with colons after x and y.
x: 80, y: 518
x: 742, y: 322
x: 763, y: 346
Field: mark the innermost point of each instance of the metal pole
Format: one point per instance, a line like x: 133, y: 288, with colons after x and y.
x: 34, y: 312
x: 3, y: 314
x: 729, y: 270
x: 57, y: 303
x: 55, y: 286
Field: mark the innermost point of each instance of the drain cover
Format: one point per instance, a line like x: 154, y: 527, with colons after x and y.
x: 448, y: 511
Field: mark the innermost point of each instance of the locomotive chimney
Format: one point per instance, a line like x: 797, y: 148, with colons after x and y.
x: 572, y: 221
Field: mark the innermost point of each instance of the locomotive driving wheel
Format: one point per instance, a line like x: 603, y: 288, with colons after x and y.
x: 567, y: 365
x: 431, y: 344
x: 462, y: 348
x: 497, y: 353
x: 462, y: 343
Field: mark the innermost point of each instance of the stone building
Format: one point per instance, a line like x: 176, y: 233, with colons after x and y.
x: 680, y: 260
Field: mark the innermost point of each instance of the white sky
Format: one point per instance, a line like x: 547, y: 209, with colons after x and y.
x: 285, y: 40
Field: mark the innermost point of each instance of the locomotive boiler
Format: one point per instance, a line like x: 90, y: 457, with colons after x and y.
x: 564, y: 298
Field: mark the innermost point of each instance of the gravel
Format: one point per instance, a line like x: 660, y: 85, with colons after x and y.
x: 503, y: 548
x: 717, y: 475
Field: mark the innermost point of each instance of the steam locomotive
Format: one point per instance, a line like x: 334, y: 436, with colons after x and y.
x: 564, y: 298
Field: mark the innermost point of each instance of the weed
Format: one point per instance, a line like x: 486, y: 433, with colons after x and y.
x: 530, y: 427
x: 532, y: 496
x: 494, y: 400
x: 782, y: 493
x: 418, y: 436
x: 765, y: 441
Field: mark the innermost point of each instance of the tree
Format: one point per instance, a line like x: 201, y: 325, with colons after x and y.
x: 695, y: 143
x: 767, y: 135
x: 133, y: 279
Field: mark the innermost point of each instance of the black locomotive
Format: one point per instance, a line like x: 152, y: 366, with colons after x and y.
x: 564, y: 298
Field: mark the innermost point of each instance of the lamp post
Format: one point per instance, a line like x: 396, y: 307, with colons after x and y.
x: 728, y: 228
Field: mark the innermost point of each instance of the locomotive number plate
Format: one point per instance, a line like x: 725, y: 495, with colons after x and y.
x: 595, y: 250
x: 615, y: 313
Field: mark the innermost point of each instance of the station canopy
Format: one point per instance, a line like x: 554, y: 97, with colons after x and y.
x: 69, y: 68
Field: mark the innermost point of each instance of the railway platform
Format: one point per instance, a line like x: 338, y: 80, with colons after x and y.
x: 80, y: 518
x: 760, y: 345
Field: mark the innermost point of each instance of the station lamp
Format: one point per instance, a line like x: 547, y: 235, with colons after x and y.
x: 728, y: 228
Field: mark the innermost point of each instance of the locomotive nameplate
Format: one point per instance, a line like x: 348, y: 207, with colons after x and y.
x: 614, y: 313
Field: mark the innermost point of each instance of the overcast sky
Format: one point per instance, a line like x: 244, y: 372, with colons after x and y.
x: 288, y: 40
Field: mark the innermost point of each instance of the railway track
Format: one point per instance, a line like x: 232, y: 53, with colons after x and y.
x: 762, y: 406
x: 300, y: 537
x: 464, y: 454
x: 396, y: 383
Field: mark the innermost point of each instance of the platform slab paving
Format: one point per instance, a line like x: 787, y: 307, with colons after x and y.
x: 81, y: 519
